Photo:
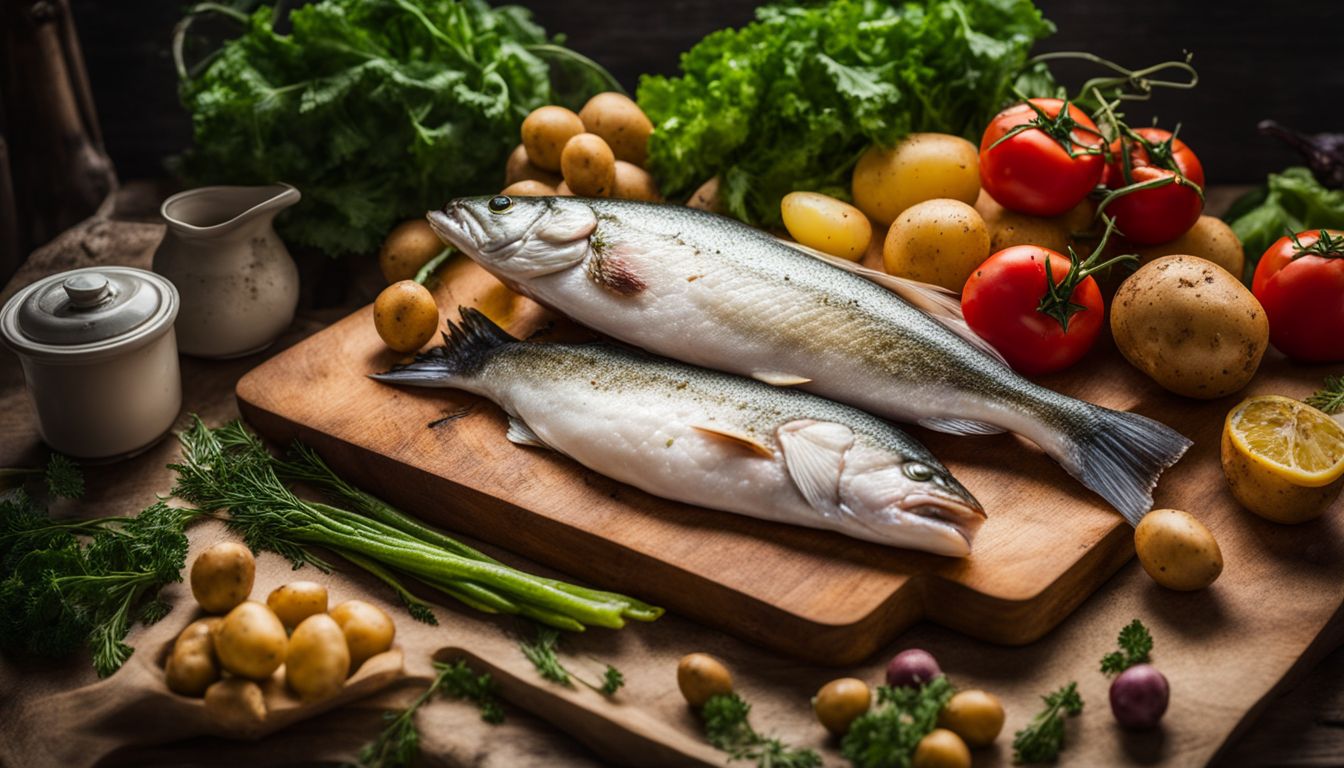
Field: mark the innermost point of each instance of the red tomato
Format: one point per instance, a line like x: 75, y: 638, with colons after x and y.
x: 1163, y: 213
x: 1001, y: 303
x: 1032, y: 171
x: 1303, y: 296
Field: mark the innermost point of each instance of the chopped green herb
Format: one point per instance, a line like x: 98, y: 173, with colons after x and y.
x: 399, y: 742
x: 1330, y: 398
x: 887, y: 734
x: 1135, y: 644
x: 1043, y: 739
x: 64, y: 480
x: 541, y: 652
x: 612, y: 680
x: 727, y: 727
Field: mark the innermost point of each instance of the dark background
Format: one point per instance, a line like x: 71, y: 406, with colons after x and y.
x: 1280, y: 59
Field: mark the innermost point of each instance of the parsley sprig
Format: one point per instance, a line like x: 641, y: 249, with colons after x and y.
x: 398, y: 743
x: 1135, y: 645
x: 727, y: 727
x: 1043, y: 738
x: 888, y: 734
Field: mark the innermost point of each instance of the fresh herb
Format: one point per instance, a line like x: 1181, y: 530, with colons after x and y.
x: 886, y: 736
x: 1292, y: 201
x: 541, y: 651
x: 790, y: 101
x: 228, y: 468
x: 727, y: 727
x: 612, y: 681
x: 1330, y: 398
x: 399, y: 742
x: 376, y: 109
x: 61, y: 477
x: 1135, y: 645
x: 1043, y: 739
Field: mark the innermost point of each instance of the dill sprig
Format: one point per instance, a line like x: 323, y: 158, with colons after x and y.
x: 1135, y: 645
x: 1043, y: 739
x: 727, y: 727
x: 1330, y: 398
x: 399, y: 743
x: 542, y: 652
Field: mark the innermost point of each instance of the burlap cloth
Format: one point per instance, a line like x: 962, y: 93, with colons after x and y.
x: 1225, y: 651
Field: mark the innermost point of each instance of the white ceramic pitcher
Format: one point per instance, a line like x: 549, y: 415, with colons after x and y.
x: 238, y: 284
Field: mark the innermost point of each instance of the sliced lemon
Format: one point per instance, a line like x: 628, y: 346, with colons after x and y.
x: 1283, y: 459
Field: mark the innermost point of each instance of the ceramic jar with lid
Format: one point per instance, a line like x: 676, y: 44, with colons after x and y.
x: 100, y: 358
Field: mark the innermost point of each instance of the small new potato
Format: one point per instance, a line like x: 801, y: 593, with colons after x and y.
x: 706, y: 197
x: 702, y: 677
x: 1190, y: 325
x: 937, y: 241
x: 318, y: 659
x: 1210, y: 238
x: 923, y: 166
x: 251, y: 641
x: 1177, y: 551
x: 941, y: 748
x: 546, y: 132
x: 1139, y: 697
x: 840, y: 702
x: 192, y: 665
x: 621, y: 123
x: 1008, y: 227
x: 520, y: 168
x: 912, y: 668
x: 221, y: 576
x: 235, y: 704
x: 826, y: 224
x: 368, y: 630
x: 405, y: 316
x: 296, y: 601
x: 562, y: 189
x: 528, y: 188
x: 976, y: 716
x: 408, y: 247
x: 589, y: 166
x: 635, y: 183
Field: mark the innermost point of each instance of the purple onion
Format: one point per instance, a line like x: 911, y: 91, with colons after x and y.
x: 1139, y: 697
x: 912, y: 668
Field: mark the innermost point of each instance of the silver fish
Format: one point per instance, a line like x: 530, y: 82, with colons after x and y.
x: 714, y: 292
x: 708, y: 438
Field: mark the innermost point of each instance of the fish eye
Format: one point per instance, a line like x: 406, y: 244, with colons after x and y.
x: 918, y: 472
x: 500, y: 203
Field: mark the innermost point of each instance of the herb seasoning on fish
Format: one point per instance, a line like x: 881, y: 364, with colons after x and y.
x: 712, y: 291
x: 708, y: 438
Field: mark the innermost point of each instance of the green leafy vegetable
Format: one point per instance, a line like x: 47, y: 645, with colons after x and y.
x: 1043, y: 739
x: 63, y: 477
x: 1290, y: 202
x: 1330, y: 398
x: 727, y: 727
x: 790, y: 101
x: 376, y: 110
x: 1135, y: 644
x: 542, y: 653
x: 399, y: 742
x: 886, y: 735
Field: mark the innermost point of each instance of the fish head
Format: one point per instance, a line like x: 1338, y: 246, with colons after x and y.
x: 518, y: 237
x: 913, y: 502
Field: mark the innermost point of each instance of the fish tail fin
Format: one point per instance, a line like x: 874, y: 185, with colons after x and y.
x: 1121, y: 456
x: 467, y: 345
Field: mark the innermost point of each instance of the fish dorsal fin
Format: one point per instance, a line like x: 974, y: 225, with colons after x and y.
x: 960, y: 426
x: 933, y: 300
x: 522, y: 434
x: 814, y: 452
x: 779, y: 378
x: 737, y: 437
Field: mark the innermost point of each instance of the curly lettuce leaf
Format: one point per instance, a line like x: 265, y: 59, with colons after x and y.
x: 1292, y: 201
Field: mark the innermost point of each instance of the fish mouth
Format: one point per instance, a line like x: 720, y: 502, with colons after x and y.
x: 456, y: 226
x: 955, y: 520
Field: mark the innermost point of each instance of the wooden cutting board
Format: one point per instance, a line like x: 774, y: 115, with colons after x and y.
x: 442, y: 455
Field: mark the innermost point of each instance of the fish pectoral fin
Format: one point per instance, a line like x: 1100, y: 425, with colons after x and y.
x: 814, y: 453
x: 961, y: 426
x: 742, y: 439
x: 779, y: 378
x: 521, y: 434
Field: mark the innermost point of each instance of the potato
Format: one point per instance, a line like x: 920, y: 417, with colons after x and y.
x: 408, y: 247
x: 635, y: 183
x: 520, y: 168
x: 235, y: 704
x: 251, y: 641
x: 528, y: 188
x: 941, y: 748
x: 192, y: 665
x: 296, y: 601
x: 826, y: 224
x: 405, y: 316
x: 546, y: 132
x: 221, y: 576
x: 976, y: 716
x: 923, y: 166
x: 318, y: 660
x: 701, y: 677
x: 937, y: 241
x: 839, y: 702
x: 1208, y: 239
x: 706, y: 197
x: 621, y: 123
x: 1190, y: 325
x: 562, y: 189
x: 1177, y: 550
x: 1008, y: 228
x: 368, y: 630
x: 588, y: 165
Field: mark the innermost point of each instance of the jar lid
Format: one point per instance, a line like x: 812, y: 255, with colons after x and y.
x: 88, y: 310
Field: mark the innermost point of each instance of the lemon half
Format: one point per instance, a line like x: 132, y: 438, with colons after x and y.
x: 1283, y: 459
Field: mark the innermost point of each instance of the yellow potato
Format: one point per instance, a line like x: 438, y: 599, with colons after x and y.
x: 221, y: 576
x: 1177, y: 550
x: 520, y: 168
x: 976, y: 716
x: 941, y: 748
x: 840, y: 702
x: 588, y: 165
x: 1210, y: 239
x: 826, y: 224
x: 706, y: 197
x: 405, y: 316
x: 546, y: 132
x: 635, y: 183
x: 702, y: 677
x: 296, y: 601
x: 562, y: 189
x: 318, y: 660
x: 368, y: 630
x: 924, y: 166
x: 937, y: 241
x: 192, y: 665
x: 1008, y: 228
x: 408, y: 247
x: 621, y: 123
x: 1190, y: 325
x: 251, y: 641
x: 235, y: 704
x: 528, y: 188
